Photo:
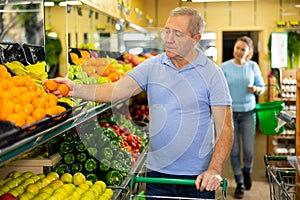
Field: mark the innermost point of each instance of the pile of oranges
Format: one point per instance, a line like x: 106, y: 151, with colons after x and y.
x: 22, y: 102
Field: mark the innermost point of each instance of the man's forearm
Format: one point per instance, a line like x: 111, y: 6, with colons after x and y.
x: 224, y: 139
x: 97, y: 92
x: 222, y: 150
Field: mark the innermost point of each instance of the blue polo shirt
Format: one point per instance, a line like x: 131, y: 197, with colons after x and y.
x: 181, y: 127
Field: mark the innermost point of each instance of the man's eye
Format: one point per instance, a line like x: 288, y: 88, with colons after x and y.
x: 178, y: 34
x: 167, y: 31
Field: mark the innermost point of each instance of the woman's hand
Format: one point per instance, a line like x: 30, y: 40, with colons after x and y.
x: 252, y: 89
x: 209, y: 180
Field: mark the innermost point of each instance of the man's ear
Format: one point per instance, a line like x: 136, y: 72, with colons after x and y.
x: 197, y: 37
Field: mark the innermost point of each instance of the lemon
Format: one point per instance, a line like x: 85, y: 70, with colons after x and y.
x: 84, y: 186
x: 55, y: 175
x: 69, y: 187
x: 23, y: 197
x: 78, y: 178
x: 33, y: 188
x: 58, y: 196
x: 47, y: 189
x: 66, y: 178
x: 56, y: 184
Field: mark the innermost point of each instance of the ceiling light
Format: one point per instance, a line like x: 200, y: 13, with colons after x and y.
x: 72, y: 3
x: 48, y: 3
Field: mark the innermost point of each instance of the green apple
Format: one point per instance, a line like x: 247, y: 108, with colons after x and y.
x: 14, y: 174
x: 11, y: 184
x: 102, y: 79
x: 27, y: 174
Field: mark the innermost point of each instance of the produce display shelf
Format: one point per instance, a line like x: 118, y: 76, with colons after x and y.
x: 13, y: 151
x: 123, y: 191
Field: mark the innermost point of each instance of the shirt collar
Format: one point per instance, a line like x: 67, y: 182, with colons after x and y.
x: 200, y: 61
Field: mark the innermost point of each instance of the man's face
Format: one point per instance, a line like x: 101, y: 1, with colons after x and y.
x: 178, y: 40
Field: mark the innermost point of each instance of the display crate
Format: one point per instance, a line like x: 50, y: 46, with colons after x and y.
x: 35, y: 165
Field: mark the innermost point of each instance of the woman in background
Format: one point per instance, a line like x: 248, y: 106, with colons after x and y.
x: 244, y: 81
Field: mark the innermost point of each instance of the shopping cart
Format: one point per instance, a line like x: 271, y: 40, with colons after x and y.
x: 140, y: 179
x: 281, y: 179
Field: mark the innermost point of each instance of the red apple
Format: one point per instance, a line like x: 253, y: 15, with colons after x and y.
x: 7, y: 196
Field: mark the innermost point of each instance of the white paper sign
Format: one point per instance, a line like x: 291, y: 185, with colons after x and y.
x: 279, y: 50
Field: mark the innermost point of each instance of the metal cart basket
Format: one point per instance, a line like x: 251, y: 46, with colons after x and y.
x: 281, y: 179
x: 137, y: 179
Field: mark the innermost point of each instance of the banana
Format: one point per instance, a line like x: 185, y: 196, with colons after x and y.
x: 68, y: 101
x: 17, y: 67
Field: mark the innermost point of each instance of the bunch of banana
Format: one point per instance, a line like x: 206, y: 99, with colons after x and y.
x: 68, y: 100
x: 36, y: 71
x: 17, y: 67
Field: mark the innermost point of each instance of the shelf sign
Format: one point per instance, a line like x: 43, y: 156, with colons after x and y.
x: 279, y: 50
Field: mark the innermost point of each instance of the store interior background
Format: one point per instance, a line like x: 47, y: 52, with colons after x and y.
x: 94, y: 22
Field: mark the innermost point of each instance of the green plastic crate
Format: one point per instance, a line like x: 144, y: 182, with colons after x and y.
x: 267, y: 115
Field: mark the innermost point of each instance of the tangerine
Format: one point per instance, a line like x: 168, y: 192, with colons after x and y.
x: 114, y: 76
x: 39, y: 103
x: 28, y: 108
x: 17, y: 119
x: 39, y: 113
x: 63, y: 89
x: 51, y: 84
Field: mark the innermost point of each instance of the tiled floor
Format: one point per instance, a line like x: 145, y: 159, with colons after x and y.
x: 260, y: 188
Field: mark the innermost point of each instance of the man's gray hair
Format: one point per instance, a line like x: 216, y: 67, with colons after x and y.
x: 196, y: 20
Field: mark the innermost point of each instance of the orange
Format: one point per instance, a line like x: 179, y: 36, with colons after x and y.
x: 39, y: 113
x: 51, y: 84
x: 17, y: 119
x: 18, y: 108
x: 28, y: 108
x: 31, y: 86
x: 40, y: 92
x: 109, y: 69
x: 52, y: 110
x: 114, y: 76
x: 18, y: 80
x: 5, y: 75
x: 63, y: 89
x: 2, y: 69
x: 6, y: 110
x: 52, y: 99
x: 39, y: 103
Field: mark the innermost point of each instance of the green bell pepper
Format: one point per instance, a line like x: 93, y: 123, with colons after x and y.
x: 81, y: 157
x: 115, y: 164
x: 76, y: 167
x: 90, y: 165
x: 65, y: 148
x: 104, y: 165
x: 69, y: 158
x: 62, y: 168
x: 107, y: 153
x: 92, y: 151
x: 113, y: 178
x: 91, y: 177
x: 80, y: 147
x: 109, y: 132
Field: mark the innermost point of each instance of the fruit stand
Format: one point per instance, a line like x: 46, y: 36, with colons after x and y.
x: 104, y: 142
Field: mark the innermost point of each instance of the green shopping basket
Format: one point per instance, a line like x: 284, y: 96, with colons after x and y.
x: 267, y: 115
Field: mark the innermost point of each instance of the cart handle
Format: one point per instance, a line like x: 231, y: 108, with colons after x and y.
x: 282, y: 173
x: 171, y: 181
x: 268, y: 158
